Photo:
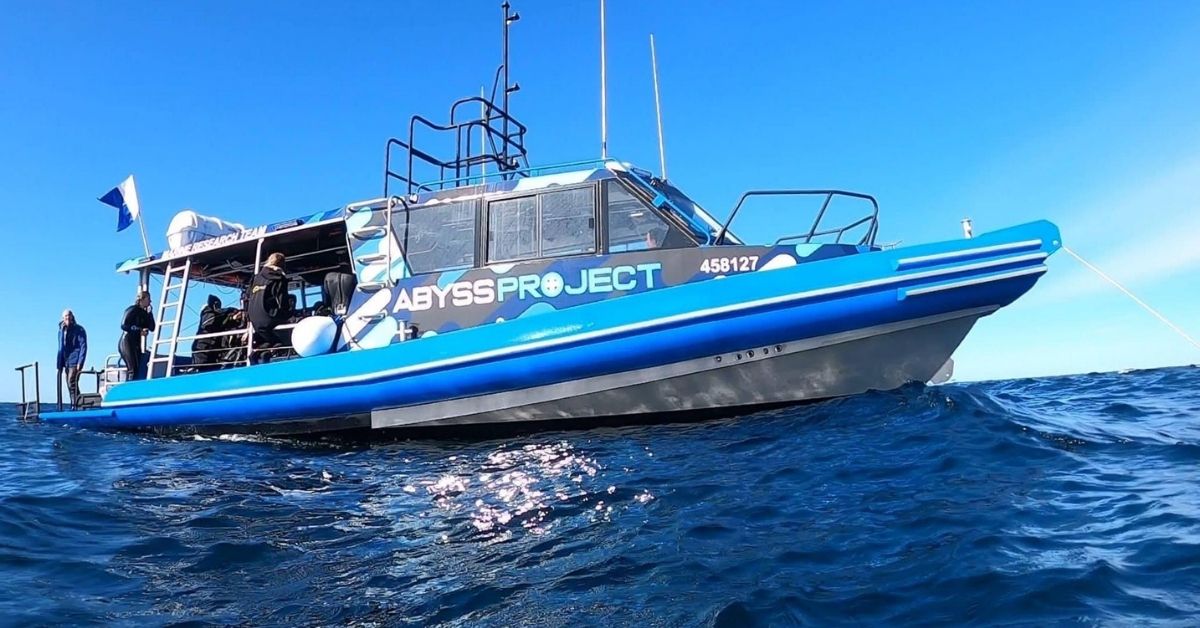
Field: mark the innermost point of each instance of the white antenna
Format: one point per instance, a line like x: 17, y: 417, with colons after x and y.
x: 603, y: 91
x: 662, y: 151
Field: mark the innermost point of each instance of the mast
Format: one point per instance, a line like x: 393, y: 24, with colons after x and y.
x: 509, y: 18
x: 603, y: 91
x: 662, y: 151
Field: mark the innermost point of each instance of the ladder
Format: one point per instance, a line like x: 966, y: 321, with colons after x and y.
x: 171, y: 298
x: 372, y: 243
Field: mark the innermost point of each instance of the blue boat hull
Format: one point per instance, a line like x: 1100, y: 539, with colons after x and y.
x: 890, y: 294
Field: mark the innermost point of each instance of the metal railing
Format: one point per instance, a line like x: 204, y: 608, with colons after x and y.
x: 872, y: 219
x: 27, y: 412
x: 284, y: 351
x: 505, y: 147
x: 524, y: 171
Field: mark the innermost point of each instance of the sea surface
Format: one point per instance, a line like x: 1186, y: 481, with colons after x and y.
x: 1057, y: 501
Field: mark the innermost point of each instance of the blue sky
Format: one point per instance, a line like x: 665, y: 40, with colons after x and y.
x: 1080, y: 112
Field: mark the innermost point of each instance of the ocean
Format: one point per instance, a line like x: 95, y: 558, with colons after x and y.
x: 1068, y: 500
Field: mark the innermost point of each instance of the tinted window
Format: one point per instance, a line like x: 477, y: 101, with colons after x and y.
x: 634, y: 226
x: 439, y: 237
x: 551, y: 224
x: 512, y: 229
x: 568, y: 221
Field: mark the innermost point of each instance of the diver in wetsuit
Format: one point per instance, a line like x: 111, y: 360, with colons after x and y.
x: 136, y: 323
x: 213, y: 318
x: 268, y: 307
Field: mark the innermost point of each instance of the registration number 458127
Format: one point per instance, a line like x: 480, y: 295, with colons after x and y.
x: 729, y: 264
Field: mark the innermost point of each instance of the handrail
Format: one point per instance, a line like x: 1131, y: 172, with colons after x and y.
x: 507, y: 145
x: 26, y: 414
x: 867, y: 239
x: 528, y: 171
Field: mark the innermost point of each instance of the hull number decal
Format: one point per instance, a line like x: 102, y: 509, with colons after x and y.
x: 729, y: 264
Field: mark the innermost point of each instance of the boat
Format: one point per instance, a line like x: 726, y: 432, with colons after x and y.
x: 479, y: 290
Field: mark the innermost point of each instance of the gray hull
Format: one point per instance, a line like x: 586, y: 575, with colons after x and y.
x: 875, y: 358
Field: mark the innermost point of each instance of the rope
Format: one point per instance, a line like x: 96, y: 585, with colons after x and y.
x: 1129, y: 294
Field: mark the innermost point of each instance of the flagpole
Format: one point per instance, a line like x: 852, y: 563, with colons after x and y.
x: 142, y: 228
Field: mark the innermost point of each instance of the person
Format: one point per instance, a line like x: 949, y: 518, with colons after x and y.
x: 135, y: 325
x: 294, y: 316
x: 654, y: 237
x: 213, y: 319
x: 267, y: 306
x: 72, y: 353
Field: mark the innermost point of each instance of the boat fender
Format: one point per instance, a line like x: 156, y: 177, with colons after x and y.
x: 314, y: 335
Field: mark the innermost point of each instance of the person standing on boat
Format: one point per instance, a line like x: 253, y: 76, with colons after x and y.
x: 268, y: 306
x: 72, y: 353
x: 136, y: 323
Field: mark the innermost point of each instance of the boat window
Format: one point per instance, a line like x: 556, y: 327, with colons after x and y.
x: 439, y: 237
x: 550, y: 224
x: 512, y: 229
x: 635, y: 226
x: 568, y: 222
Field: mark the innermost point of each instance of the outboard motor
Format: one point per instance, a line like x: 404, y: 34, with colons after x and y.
x: 337, y: 290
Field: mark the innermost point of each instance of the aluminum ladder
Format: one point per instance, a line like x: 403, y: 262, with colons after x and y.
x: 167, y: 301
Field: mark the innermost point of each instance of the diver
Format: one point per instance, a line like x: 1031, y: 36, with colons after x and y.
x: 213, y: 319
x: 72, y: 353
x: 268, y: 307
x: 136, y: 323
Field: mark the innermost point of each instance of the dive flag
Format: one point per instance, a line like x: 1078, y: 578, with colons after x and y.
x: 124, y: 198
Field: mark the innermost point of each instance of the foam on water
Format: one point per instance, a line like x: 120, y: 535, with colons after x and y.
x: 1033, y: 501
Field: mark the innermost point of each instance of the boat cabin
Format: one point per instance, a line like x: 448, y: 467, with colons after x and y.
x: 474, y: 238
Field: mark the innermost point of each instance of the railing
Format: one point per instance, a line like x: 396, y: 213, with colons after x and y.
x: 279, y: 351
x: 524, y: 171
x: 505, y: 147
x: 26, y: 411
x: 871, y: 219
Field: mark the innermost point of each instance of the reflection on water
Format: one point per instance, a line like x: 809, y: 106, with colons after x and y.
x: 1031, y: 502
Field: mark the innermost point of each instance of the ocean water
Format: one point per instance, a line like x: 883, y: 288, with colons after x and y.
x: 1072, y: 500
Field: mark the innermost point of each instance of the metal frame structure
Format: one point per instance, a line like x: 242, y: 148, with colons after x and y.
x: 26, y: 412
x: 872, y: 219
x: 503, y: 134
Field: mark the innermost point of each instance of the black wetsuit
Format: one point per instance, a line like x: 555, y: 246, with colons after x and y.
x: 267, y: 306
x: 130, y: 346
x: 206, y: 352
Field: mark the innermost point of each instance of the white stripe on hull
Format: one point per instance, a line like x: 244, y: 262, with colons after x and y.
x: 880, y: 358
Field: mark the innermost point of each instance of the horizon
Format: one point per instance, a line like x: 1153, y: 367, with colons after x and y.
x: 998, y: 115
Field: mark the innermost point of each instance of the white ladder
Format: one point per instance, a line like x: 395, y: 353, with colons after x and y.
x: 168, y: 301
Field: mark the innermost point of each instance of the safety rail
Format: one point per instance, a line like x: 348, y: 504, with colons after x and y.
x: 502, y: 140
x: 524, y: 171
x: 246, y: 333
x: 24, y: 409
x: 504, y: 149
x: 872, y: 219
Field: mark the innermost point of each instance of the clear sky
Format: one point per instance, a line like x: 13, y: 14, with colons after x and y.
x: 1081, y: 112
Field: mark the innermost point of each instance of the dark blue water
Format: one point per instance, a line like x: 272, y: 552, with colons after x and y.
x: 1047, y: 501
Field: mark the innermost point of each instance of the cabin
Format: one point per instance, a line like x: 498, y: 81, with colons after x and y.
x: 473, y: 238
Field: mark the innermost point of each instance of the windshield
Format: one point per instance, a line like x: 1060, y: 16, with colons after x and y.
x: 698, y: 221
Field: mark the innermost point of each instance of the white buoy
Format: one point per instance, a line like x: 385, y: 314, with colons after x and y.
x: 314, y: 335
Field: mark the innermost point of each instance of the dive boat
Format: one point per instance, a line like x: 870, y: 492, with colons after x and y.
x: 579, y: 291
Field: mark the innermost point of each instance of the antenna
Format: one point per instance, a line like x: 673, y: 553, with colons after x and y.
x: 662, y: 151
x: 509, y: 18
x: 485, y: 115
x: 603, y: 91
